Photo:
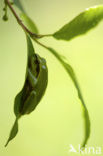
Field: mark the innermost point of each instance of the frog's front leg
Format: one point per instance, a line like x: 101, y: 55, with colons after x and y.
x: 32, y: 79
x: 30, y: 103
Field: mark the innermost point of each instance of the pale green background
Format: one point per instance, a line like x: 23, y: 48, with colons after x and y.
x: 57, y: 121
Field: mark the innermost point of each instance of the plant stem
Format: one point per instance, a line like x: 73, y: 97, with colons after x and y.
x: 20, y: 21
x: 33, y: 35
x: 41, y: 44
x: 46, y: 35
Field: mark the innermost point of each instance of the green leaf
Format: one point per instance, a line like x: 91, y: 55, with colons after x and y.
x: 13, y: 132
x: 17, y: 103
x: 35, y: 84
x: 29, y: 23
x: 80, y: 24
x: 19, y: 5
x: 30, y: 47
x: 71, y: 73
x: 18, y: 98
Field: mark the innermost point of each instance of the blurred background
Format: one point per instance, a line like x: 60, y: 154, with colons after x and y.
x: 57, y: 121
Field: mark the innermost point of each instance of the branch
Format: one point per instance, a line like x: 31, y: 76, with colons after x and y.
x: 33, y: 35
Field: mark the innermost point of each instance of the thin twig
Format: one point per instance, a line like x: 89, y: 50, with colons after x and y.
x: 20, y: 21
x: 41, y: 44
x: 46, y: 35
x: 33, y: 35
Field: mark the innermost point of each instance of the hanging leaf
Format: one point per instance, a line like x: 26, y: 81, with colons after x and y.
x: 36, y: 80
x: 71, y: 73
x: 80, y: 24
x: 29, y: 23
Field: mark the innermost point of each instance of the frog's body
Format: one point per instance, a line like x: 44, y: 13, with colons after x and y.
x: 34, y: 87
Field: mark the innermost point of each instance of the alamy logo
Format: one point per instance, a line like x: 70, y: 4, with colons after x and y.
x: 85, y: 150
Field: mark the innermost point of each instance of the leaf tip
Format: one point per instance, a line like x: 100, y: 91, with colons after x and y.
x: 13, y: 132
x: 6, y: 143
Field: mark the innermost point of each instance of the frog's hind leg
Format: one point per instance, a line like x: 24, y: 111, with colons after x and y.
x: 30, y: 104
